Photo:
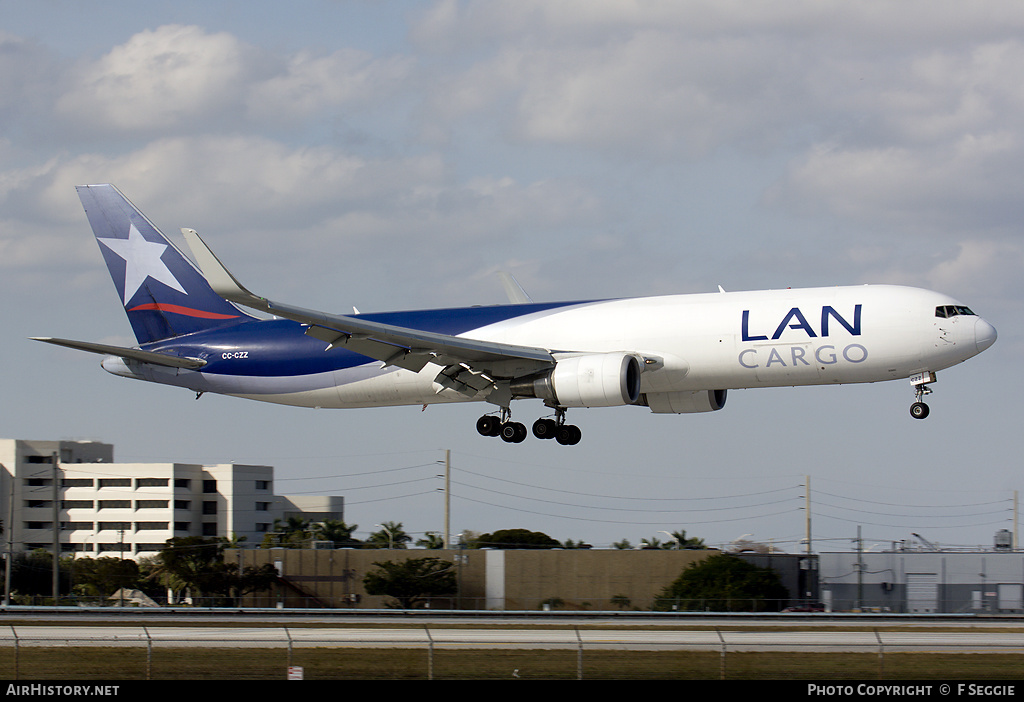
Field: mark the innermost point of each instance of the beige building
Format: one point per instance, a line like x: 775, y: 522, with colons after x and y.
x: 489, y: 579
x: 131, y: 509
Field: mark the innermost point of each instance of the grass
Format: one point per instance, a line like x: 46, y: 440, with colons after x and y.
x: 196, y: 663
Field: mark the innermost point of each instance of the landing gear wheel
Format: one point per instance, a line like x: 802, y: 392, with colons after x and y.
x: 488, y: 425
x: 568, y: 435
x: 919, y: 410
x: 545, y: 428
x: 513, y: 432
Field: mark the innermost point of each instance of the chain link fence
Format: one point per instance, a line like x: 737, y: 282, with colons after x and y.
x: 317, y: 653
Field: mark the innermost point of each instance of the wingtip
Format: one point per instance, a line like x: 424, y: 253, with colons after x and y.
x: 216, y: 274
x: 513, y: 290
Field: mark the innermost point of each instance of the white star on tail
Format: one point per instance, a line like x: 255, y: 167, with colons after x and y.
x: 142, y: 260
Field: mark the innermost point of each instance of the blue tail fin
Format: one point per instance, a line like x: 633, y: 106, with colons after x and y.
x: 163, y: 293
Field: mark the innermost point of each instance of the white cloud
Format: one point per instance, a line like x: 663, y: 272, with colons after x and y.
x: 979, y: 264
x: 973, y: 269
x: 185, y: 80
x: 968, y: 182
x: 227, y: 177
x: 160, y: 79
x: 311, y: 84
x: 680, y: 80
x: 405, y: 216
x: 890, y: 120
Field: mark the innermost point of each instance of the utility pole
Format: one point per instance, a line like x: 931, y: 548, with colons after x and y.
x: 447, y: 498
x: 807, y: 512
x: 55, y: 460
x: 860, y: 571
x: 1016, y: 540
x: 10, y: 536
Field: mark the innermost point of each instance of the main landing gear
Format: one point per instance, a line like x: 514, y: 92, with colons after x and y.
x: 919, y: 410
x: 515, y: 432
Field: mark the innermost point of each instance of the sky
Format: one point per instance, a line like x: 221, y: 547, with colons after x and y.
x: 397, y: 155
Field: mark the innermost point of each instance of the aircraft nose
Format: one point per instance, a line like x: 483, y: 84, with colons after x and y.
x: 984, y: 334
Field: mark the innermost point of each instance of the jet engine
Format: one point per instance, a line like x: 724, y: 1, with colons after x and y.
x: 589, y: 380
x: 684, y: 402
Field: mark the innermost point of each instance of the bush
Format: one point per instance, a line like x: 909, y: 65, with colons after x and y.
x: 724, y: 583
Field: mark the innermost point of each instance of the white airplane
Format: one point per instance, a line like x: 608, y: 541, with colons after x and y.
x: 670, y: 354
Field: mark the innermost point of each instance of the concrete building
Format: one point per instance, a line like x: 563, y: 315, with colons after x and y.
x: 488, y: 579
x: 132, y: 509
x: 502, y: 580
x: 924, y: 581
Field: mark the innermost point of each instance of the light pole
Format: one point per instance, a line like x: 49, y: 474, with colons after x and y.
x: 391, y: 543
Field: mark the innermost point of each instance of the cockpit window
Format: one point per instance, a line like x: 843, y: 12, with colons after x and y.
x: 945, y: 311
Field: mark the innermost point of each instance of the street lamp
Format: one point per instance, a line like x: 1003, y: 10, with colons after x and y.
x: 387, y: 531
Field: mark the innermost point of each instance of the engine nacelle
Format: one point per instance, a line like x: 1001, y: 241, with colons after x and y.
x: 591, y: 380
x: 684, y: 402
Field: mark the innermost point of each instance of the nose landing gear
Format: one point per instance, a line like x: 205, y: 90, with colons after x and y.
x: 919, y: 410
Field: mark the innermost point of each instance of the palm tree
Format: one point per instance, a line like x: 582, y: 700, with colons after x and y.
x: 293, y: 533
x: 431, y: 540
x: 233, y: 541
x: 682, y: 541
x: 391, y: 535
x: 337, y: 532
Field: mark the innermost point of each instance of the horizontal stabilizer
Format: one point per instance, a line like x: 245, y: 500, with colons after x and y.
x: 159, y: 359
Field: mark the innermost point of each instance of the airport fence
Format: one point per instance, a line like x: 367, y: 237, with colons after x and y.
x: 409, y: 653
x: 460, y: 604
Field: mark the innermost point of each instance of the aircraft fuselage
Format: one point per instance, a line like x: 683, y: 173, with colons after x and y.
x: 723, y: 341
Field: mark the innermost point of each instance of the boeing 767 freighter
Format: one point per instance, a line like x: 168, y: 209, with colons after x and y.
x: 670, y: 354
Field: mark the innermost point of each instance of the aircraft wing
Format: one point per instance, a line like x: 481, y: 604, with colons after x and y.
x: 160, y: 359
x: 469, y: 366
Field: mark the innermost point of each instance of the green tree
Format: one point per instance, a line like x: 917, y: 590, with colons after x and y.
x: 678, y: 540
x: 337, y: 532
x: 724, y: 583
x: 103, y: 576
x: 431, y: 540
x: 294, y: 532
x: 251, y: 579
x: 32, y: 573
x: 412, y: 582
x: 234, y: 541
x: 391, y: 535
x: 516, y: 538
x: 681, y: 541
x: 570, y: 544
x: 622, y: 602
x: 193, y: 563
x: 196, y: 564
